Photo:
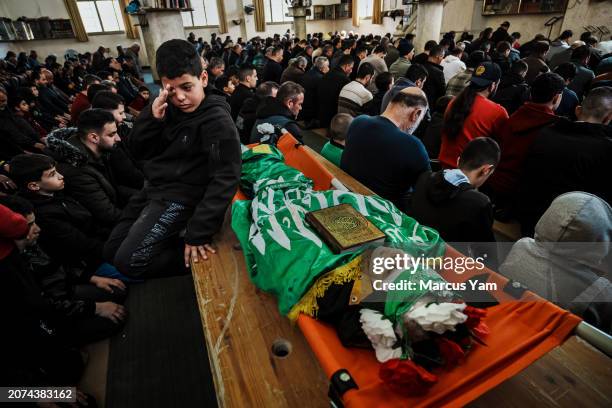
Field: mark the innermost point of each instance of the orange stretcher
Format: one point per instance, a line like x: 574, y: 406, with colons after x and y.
x: 522, y: 330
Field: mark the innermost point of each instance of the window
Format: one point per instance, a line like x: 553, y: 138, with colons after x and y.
x: 101, y: 16
x: 275, y: 11
x: 365, y: 8
x: 392, y: 4
x: 205, y: 13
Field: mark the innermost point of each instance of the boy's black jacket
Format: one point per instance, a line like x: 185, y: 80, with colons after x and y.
x: 68, y: 233
x: 193, y: 159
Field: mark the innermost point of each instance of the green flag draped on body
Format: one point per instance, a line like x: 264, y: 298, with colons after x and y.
x: 284, y: 255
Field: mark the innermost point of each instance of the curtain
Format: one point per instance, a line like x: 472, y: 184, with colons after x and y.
x: 377, y: 12
x: 75, y: 18
x: 260, y: 15
x: 355, y: 12
x: 130, y: 30
x: 222, y: 17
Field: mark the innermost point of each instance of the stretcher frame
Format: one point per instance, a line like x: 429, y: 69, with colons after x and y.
x: 241, y: 326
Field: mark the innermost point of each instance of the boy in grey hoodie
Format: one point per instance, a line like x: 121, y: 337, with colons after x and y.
x: 569, y: 259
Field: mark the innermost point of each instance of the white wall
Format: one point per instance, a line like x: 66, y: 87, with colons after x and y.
x: 589, y: 12
x: 234, y: 11
x: 458, y: 15
x: 467, y: 14
x: 54, y: 9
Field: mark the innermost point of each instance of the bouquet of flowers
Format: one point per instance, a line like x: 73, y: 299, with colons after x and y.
x: 421, y: 331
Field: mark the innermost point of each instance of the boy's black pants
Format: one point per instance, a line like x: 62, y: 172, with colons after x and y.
x: 146, y: 242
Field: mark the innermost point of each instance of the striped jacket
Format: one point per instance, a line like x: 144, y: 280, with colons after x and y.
x: 352, y: 98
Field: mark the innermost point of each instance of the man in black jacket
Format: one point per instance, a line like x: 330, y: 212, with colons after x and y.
x: 280, y: 112
x: 192, y: 172
x: 435, y: 86
x: 127, y: 175
x: 125, y: 88
x: 310, y: 82
x: 248, y: 81
x: 48, y: 99
x: 273, y: 70
x: 513, y: 90
x: 501, y: 34
x: 328, y: 90
x: 83, y: 160
x: 248, y: 113
x: 448, y: 200
x: 569, y: 156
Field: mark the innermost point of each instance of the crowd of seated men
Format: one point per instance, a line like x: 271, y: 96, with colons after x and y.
x: 467, y: 131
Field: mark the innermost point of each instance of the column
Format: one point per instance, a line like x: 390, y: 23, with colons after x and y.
x: 429, y: 22
x: 161, y: 25
x: 299, y: 20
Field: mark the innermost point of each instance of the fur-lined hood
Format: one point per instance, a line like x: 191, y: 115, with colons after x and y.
x: 64, y: 146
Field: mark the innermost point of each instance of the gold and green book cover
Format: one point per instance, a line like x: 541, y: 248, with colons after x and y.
x: 344, y: 228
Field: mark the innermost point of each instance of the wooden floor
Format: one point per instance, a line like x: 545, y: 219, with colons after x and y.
x: 93, y: 380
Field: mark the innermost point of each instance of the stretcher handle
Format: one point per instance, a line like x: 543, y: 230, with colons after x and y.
x: 595, y: 337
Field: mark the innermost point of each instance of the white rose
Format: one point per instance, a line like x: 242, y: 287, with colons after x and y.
x: 436, y: 317
x: 380, y: 333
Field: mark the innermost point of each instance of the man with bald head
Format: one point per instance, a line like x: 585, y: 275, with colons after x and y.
x: 381, y: 151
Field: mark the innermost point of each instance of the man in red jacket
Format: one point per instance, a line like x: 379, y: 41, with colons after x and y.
x: 81, y: 102
x: 520, y: 131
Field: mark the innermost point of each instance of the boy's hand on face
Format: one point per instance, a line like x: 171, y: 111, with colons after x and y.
x: 161, y: 103
x: 194, y: 253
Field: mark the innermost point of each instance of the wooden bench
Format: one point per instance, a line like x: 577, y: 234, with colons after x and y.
x: 259, y: 359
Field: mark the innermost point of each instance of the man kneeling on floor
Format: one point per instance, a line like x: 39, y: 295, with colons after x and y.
x: 192, y: 171
x: 449, y: 201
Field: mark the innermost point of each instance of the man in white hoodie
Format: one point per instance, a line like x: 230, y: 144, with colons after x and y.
x: 452, y: 64
x: 355, y: 94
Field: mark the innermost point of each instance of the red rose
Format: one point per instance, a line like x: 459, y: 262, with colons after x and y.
x: 406, y: 377
x: 475, y: 315
x: 451, y: 352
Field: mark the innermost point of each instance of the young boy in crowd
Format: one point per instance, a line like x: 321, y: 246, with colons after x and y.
x: 338, y: 129
x: 141, y: 100
x: 21, y: 109
x: 448, y: 200
x: 193, y: 166
x: 225, y: 85
x: 68, y: 233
